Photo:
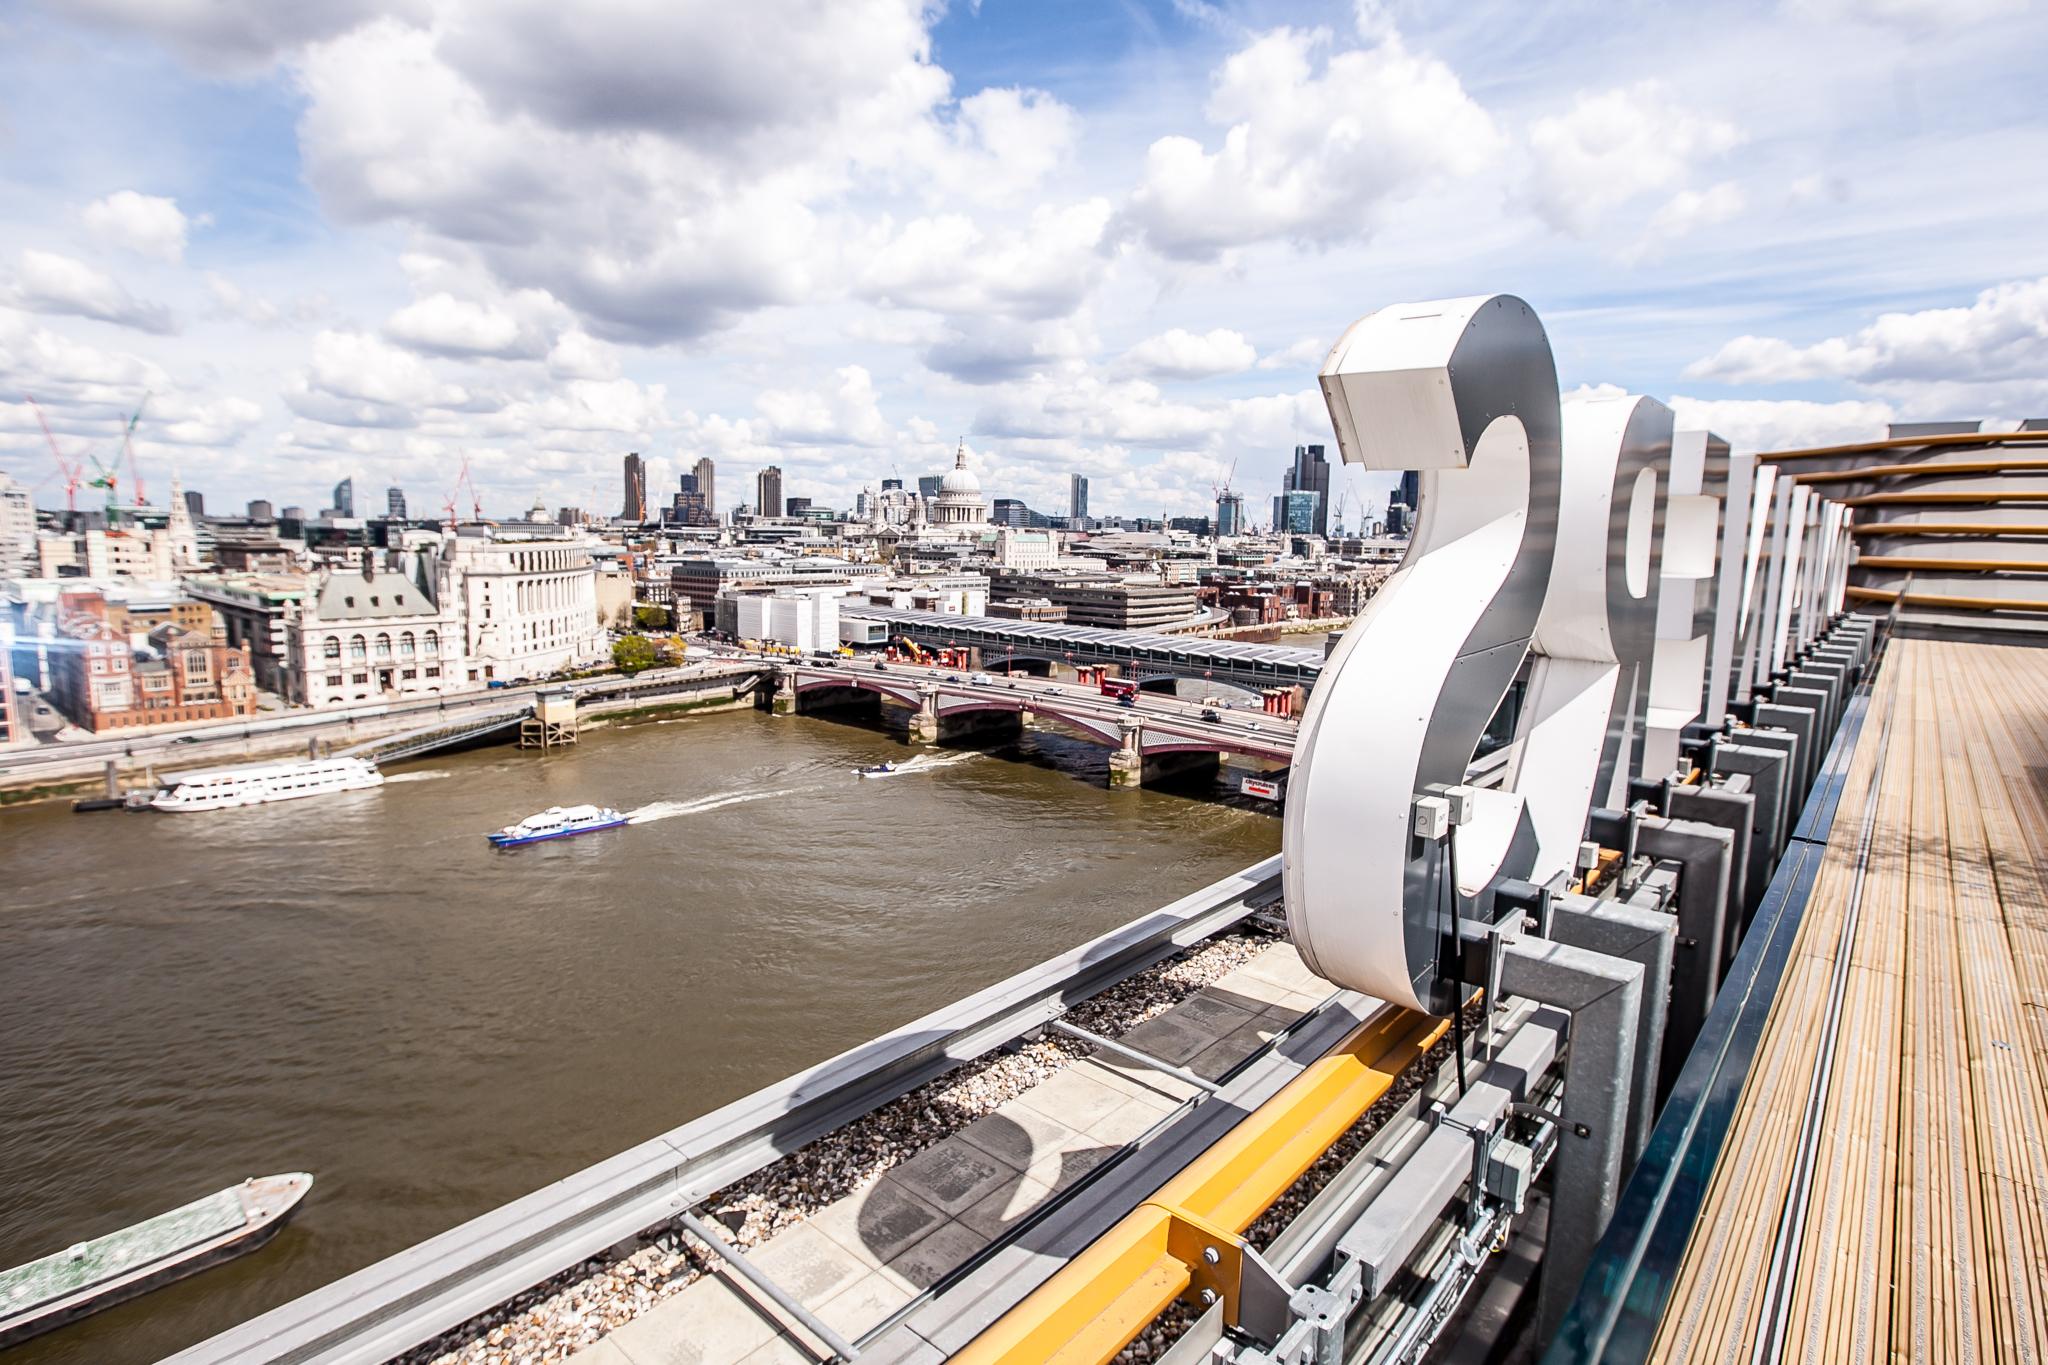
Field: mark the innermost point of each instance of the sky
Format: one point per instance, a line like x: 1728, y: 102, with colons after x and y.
x: 375, y: 238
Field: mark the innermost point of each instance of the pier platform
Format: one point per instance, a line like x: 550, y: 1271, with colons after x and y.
x: 1883, y: 1190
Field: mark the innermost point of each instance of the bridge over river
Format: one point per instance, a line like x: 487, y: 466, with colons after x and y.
x: 1158, y: 735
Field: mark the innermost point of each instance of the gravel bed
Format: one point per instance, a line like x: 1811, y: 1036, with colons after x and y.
x: 1169, y: 1326
x: 554, y: 1320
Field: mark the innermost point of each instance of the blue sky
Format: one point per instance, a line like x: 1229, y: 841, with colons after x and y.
x: 366, y: 237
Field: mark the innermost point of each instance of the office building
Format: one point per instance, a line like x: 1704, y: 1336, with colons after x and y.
x: 394, y: 503
x: 635, y: 508
x: 1230, y: 514
x: 928, y: 485
x: 703, y: 472
x: 1077, y: 500
x: 195, y: 503
x: 345, y: 498
x: 768, y: 492
x: 261, y: 510
x: 1297, y: 512
x: 1310, y: 473
x: 892, y: 485
x: 1095, y: 598
x: 17, y: 529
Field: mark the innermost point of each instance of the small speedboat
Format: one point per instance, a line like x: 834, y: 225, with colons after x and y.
x: 557, y: 822
x: 878, y: 770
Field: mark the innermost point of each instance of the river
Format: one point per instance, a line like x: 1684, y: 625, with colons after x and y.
x: 360, y: 987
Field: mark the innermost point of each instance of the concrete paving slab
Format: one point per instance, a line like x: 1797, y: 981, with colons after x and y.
x: 1135, y: 1081
x: 1020, y: 1136
x: 1062, y: 1170
x: 1176, y: 1039
x: 1213, y: 1011
x: 930, y: 1260
x: 1126, y: 1123
x: 709, y: 1323
x: 809, y: 1265
x: 995, y: 1213
x: 1244, y: 984
x: 877, y: 1223
x: 602, y: 1352
x: 952, y: 1175
x: 865, y: 1303
x: 1282, y: 965
x: 1079, y: 1095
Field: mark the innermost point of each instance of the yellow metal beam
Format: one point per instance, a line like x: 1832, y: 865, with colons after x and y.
x: 1104, y: 1297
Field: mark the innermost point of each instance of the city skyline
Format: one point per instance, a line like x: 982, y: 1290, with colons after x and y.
x: 1112, y: 243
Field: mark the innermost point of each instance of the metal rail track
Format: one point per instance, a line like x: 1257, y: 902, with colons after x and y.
x: 410, y: 1298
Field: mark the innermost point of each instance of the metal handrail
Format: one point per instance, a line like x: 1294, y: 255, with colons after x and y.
x: 409, y: 1298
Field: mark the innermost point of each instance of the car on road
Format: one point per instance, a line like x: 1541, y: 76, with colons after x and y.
x: 881, y: 667
x: 981, y: 679
x: 188, y: 739
x: 1127, y: 699
x: 952, y: 677
x: 1209, y: 714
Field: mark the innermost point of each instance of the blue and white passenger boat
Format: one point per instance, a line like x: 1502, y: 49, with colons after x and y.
x: 557, y: 822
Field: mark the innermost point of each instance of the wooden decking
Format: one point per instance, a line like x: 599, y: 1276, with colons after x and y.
x: 1883, y: 1192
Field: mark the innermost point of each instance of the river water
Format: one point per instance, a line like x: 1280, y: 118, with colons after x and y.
x: 360, y: 987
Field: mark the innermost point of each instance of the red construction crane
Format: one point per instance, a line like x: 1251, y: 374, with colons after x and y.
x: 476, y: 502
x: 72, y: 470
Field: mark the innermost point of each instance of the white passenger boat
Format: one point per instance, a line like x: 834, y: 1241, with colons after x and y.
x: 557, y: 822
x: 225, y: 788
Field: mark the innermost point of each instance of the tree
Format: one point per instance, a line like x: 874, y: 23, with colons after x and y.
x: 633, y: 653
x: 651, y: 618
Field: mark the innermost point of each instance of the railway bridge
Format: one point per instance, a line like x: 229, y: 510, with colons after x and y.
x: 1156, y: 737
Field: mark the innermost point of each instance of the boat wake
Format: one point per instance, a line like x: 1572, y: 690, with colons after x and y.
x: 925, y: 763
x: 668, y: 810
x: 427, y: 776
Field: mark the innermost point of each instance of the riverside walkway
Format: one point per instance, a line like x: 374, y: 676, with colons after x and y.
x: 1883, y: 1190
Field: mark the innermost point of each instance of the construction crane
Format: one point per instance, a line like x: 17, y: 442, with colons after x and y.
x: 128, y: 451
x: 476, y: 502
x: 71, y: 470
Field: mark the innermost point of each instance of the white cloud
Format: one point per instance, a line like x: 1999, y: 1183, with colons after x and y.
x: 1783, y: 424
x: 845, y: 413
x: 1307, y: 353
x: 441, y: 324
x: 142, y: 223
x: 993, y: 350
x: 1614, y: 146
x: 1686, y: 213
x: 356, y: 380
x: 1912, y: 15
x: 2003, y: 335
x: 234, y: 36
x: 950, y: 263
x: 1313, y: 151
x: 1180, y: 354
x: 578, y: 355
x: 49, y: 283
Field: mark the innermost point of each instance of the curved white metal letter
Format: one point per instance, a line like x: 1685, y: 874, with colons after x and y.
x: 1465, y: 391
x: 1587, y: 707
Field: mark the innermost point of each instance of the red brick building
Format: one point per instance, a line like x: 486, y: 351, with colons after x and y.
x: 103, y: 681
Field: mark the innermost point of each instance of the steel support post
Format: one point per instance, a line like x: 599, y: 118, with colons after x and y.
x: 1780, y: 779
x: 1771, y: 777
x: 1705, y: 856
x: 1813, y: 743
x: 1736, y: 813
x: 1604, y: 996
x: 1647, y: 938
